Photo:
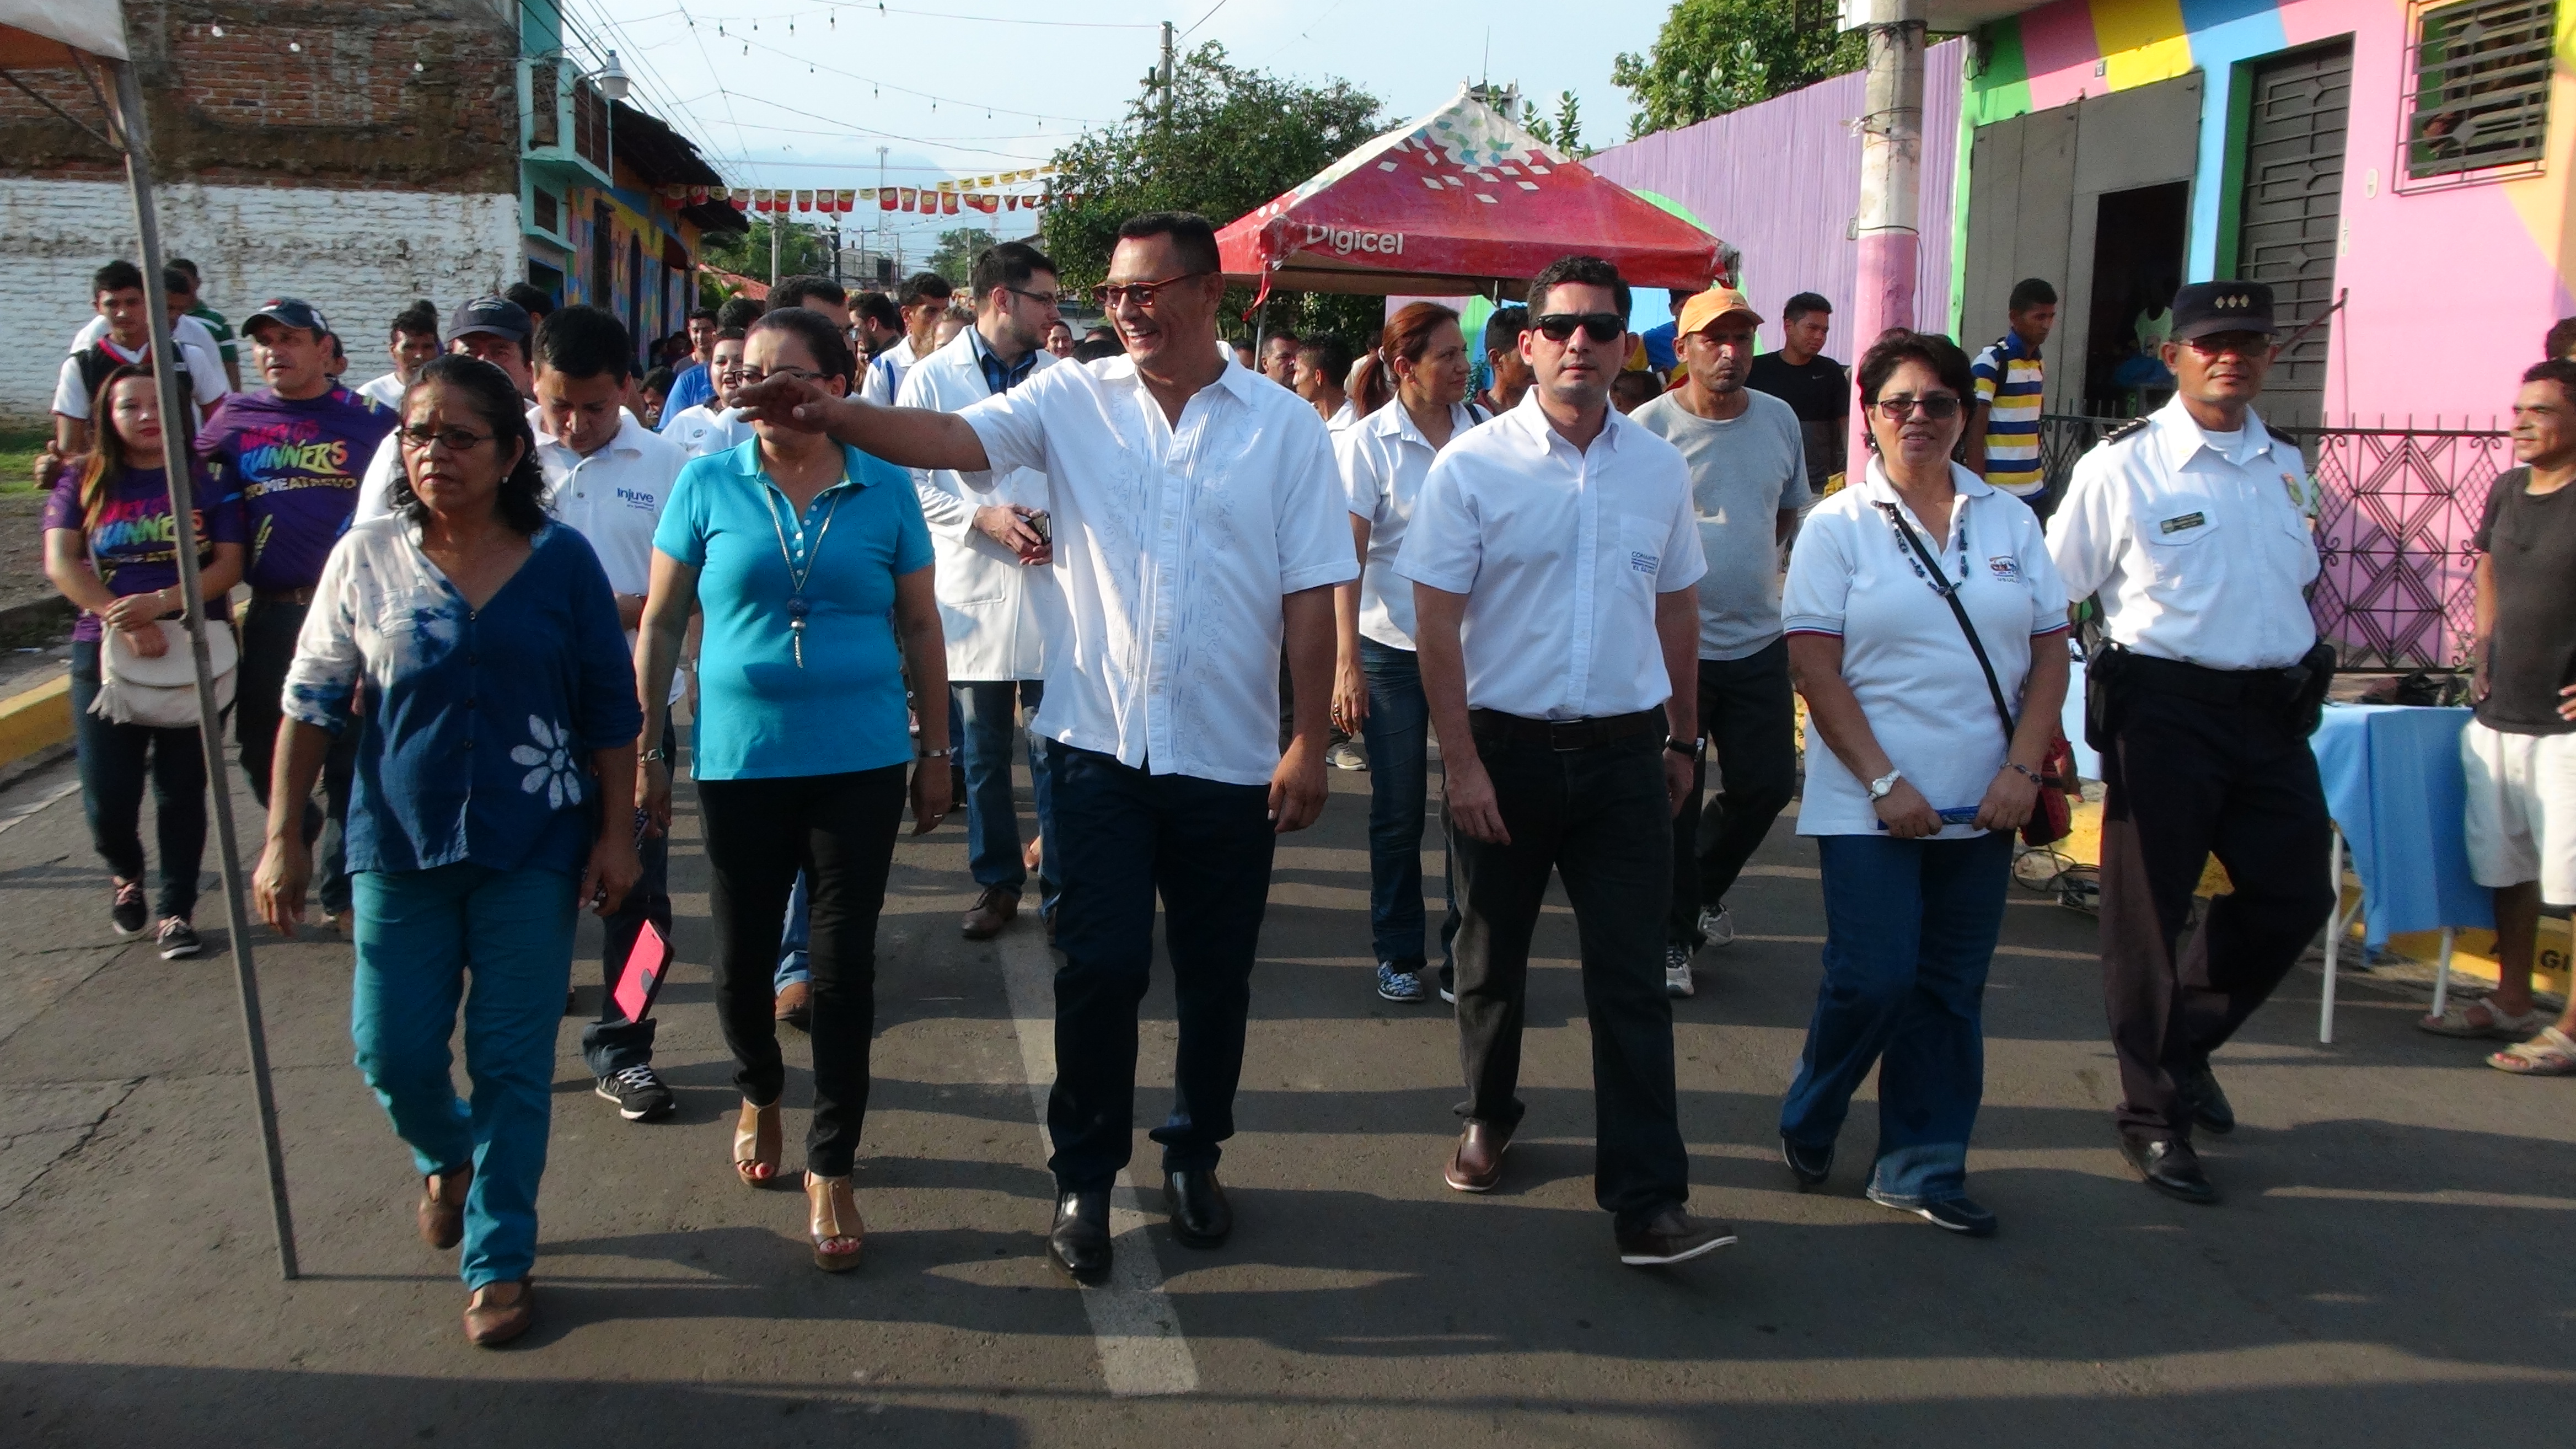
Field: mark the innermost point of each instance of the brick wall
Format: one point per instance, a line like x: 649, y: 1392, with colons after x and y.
x: 360, y: 256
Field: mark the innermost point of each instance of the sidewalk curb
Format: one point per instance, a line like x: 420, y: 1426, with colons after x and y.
x: 36, y: 720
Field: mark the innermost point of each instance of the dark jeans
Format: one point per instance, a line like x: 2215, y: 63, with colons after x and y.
x: 612, y: 1042
x: 1398, y: 732
x: 1910, y: 929
x: 839, y: 829
x: 984, y: 720
x: 268, y: 632
x: 1752, y: 728
x: 1599, y: 818
x: 2185, y: 780
x: 1205, y: 847
x: 115, y: 760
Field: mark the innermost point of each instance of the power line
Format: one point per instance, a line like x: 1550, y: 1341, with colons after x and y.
x: 849, y: 128
x: 1202, y: 20
x: 812, y: 64
x: 868, y: 7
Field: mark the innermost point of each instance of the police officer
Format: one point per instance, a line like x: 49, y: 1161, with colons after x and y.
x: 2189, y: 527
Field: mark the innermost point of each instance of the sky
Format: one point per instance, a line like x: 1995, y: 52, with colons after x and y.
x: 802, y: 93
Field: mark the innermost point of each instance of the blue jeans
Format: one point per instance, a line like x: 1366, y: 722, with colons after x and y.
x: 420, y: 933
x: 1910, y: 928
x: 983, y: 718
x: 793, y: 938
x: 1397, y: 733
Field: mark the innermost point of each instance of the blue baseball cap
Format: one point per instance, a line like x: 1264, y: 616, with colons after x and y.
x: 289, y: 312
x: 498, y: 316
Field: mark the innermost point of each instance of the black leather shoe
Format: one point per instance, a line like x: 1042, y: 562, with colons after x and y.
x: 1201, y: 1217
x: 1810, y: 1165
x: 1079, y: 1243
x: 2169, y: 1167
x: 2207, y: 1100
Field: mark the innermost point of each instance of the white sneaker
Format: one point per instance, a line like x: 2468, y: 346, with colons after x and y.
x: 1716, y: 927
x: 1345, y: 755
x: 1677, y: 970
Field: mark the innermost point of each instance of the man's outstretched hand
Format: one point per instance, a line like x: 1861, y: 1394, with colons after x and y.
x: 785, y: 401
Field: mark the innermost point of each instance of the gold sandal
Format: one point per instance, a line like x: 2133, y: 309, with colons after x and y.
x: 833, y: 1217
x: 441, y: 1213
x: 756, y: 1145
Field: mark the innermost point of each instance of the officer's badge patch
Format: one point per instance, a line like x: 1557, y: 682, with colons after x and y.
x: 2182, y: 524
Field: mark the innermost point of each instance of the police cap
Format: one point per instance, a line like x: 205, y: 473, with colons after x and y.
x: 2205, y: 308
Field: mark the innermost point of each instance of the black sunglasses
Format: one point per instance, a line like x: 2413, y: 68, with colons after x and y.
x: 1599, y: 326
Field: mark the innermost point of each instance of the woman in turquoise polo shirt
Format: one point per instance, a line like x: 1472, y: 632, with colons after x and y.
x: 812, y: 564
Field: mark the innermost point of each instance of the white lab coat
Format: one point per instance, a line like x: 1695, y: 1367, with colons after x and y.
x: 998, y: 613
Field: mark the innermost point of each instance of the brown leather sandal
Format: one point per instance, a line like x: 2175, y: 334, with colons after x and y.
x: 833, y: 1219
x: 492, y: 1319
x: 442, y: 1207
x: 756, y: 1138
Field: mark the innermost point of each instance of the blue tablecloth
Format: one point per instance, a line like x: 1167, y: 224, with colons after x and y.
x: 2394, y: 786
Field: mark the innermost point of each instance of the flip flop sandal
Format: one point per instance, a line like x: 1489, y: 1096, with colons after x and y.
x: 2550, y: 1054
x: 2456, y: 1021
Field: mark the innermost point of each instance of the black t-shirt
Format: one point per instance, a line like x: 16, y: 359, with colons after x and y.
x: 2532, y: 653
x: 1819, y: 392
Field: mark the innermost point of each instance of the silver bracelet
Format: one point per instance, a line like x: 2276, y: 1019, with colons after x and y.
x: 938, y: 754
x: 2027, y: 772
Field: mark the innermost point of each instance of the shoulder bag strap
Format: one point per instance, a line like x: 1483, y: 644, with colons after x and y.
x: 1950, y: 594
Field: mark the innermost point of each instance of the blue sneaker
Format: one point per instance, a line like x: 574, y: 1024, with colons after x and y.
x: 1404, y: 986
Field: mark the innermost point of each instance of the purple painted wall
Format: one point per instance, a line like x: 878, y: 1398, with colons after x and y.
x: 1780, y: 182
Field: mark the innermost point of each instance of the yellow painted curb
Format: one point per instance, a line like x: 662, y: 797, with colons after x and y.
x: 35, y: 720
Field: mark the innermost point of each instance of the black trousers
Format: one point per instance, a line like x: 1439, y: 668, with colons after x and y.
x: 1599, y: 818
x: 268, y: 633
x: 2185, y: 780
x: 116, y: 760
x: 839, y: 830
x: 1746, y: 710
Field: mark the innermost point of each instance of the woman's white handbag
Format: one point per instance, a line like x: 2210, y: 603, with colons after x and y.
x: 161, y: 691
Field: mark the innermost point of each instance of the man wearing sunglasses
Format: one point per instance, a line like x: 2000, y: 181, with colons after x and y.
x: 2190, y: 528
x: 1555, y: 558
x: 1197, y: 529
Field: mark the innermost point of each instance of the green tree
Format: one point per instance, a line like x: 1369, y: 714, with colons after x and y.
x: 804, y: 249
x: 1715, y: 56
x: 1237, y: 138
x: 1565, y: 133
x: 956, y: 253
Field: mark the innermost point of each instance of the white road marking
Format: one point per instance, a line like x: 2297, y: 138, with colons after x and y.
x: 38, y: 790
x: 1132, y: 1320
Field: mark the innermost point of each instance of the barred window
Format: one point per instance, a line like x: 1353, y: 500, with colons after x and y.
x: 2481, y: 86
x: 549, y: 218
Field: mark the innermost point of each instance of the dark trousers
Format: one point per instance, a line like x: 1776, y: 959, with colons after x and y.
x: 115, y: 762
x: 613, y: 1043
x: 268, y: 632
x: 2186, y: 779
x: 1205, y: 848
x: 838, y: 829
x: 1598, y: 817
x: 1752, y: 727
x: 1398, y: 734
x: 983, y: 723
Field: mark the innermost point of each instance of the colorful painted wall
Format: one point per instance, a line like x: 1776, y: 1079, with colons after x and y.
x: 2450, y: 287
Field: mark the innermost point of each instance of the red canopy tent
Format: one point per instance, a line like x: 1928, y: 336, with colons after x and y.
x: 1452, y: 203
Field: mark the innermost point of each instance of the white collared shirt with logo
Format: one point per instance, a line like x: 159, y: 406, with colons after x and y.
x: 2199, y: 546
x: 997, y: 612
x: 701, y: 430
x: 1174, y: 546
x: 1560, y: 554
x: 1384, y: 458
x: 613, y: 497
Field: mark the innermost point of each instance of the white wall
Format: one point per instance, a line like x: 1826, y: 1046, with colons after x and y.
x: 361, y: 256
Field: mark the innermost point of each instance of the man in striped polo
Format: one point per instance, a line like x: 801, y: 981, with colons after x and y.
x: 2003, y: 424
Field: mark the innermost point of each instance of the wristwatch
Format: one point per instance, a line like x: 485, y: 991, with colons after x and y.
x: 657, y: 753
x: 938, y: 754
x: 1885, y: 785
x: 1688, y: 749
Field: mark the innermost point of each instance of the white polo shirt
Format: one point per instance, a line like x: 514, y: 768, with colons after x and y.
x: 205, y: 378
x: 700, y: 430
x: 385, y: 392
x: 185, y: 330
x: 1384, y: 458
x: 883, y: 382
x: 1174, y: 547
x: 1560, y: 554
x: 612, y: 498
x: 2197, y: 542
x: 1904, y: 657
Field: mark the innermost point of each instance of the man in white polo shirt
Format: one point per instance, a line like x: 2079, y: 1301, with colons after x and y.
x: 606, y: 478
x: 495, y: 329
x: 713, y: 426
x: 1198, y: 527
x: 1555, y: 556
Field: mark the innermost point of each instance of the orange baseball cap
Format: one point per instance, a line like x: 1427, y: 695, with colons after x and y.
x: 1713, y: 304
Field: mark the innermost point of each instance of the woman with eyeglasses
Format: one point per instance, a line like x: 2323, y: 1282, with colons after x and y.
x: 497, y: 727
x: 813, y: 566
x: 1925, y: 627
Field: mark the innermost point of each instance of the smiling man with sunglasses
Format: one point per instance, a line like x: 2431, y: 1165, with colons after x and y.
x: 1554, y: 556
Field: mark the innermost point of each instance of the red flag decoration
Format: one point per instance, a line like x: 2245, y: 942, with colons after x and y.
x: 948, y: 203
x: 845, y: 200
x: 911, y: 199
x: 982, y: 201
x: 740, y: 198
x: 1011, y: 203
x: 804, y: 201
x: 886, y: 198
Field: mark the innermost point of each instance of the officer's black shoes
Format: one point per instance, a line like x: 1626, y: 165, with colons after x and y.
x: 2207, y: 1100
x: 2170, y: 1167
x: 1810, y: 1165
x: 1079, y: 1243
x: 1201, y: 1217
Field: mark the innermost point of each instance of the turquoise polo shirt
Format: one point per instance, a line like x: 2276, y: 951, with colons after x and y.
x: 761, y: 716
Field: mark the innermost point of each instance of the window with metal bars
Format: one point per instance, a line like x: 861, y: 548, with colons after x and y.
x: 549, y: 217
x: 2479, y: 83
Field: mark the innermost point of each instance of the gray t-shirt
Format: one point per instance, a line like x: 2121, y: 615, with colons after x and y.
x: 1744, y: 473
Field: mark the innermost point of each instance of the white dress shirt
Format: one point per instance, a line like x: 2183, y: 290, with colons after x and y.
x: 1384, y: 458
x: 385, y: 392
x: 1560, y: 554
x: 1174, y: 547
x: 2198, y: 543
x: 996, y: 611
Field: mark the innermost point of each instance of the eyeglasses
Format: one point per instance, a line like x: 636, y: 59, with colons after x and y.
x: 1048, y: 300
x: 754, y: 374
x: 2219, y: 344
x: 1109, y: 296
x: 458, y: 440
x: 1940, y: 407
x: 1599, y: 326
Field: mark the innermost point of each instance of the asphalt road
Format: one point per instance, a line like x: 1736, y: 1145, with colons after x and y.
x: 2391, y: 1266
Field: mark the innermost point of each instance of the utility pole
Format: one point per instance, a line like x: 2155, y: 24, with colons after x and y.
x: 1891, y: 163
x: 1167, y: 75
x: 881, y: 210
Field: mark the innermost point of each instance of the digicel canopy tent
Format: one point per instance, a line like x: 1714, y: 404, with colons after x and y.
x: 1453, y: 203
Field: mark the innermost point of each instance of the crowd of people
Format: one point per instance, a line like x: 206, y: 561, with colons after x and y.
x: 869, y: 544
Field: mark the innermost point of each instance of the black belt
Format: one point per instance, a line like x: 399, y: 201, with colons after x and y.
x: 1567, y: 734
x: 2212, y: 686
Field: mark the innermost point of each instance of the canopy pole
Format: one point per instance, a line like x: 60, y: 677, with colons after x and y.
x: 176, y: 440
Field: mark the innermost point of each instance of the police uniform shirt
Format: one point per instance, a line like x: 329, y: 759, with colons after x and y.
x: 2198, y: 545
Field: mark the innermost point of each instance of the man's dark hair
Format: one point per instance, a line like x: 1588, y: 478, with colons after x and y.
x: 2562, y: 338
x: 1101, y: 332
x: 1330, y: 355
x: 923, y: 287
x: 739, y: 312
x: 658, y: 381
x: 1092, y: 349
x: 792, y: 292
x: 535, y: 300
x: 1802, y: 304
x: 1580, y: 272
x: 1898, y: 346
x: 116, y: 276
x: 2031, y: 292
x: 419, y: 318
x: 175, y: 280
x: 732, y: 334
x: 832, y: 355
x: 584, y: 342
x: 2556, y: 369
x: 878, y: 308
x: 1011, y: 264
x: 488, y: 391
x: 1503, y: 330
x: 1193, y: 240
x: 195, y: 277
x: 1635, y: 388
x: 699, y: 314
x: 1281, y: 335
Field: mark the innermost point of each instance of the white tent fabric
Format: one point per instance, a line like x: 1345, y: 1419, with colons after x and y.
x: 96, y: 26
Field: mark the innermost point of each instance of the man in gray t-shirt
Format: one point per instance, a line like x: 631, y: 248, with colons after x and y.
x: 1748, y: 465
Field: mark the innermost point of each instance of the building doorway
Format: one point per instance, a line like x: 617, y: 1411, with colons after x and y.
x: 2138, y: 238
x: 2290, y: 211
